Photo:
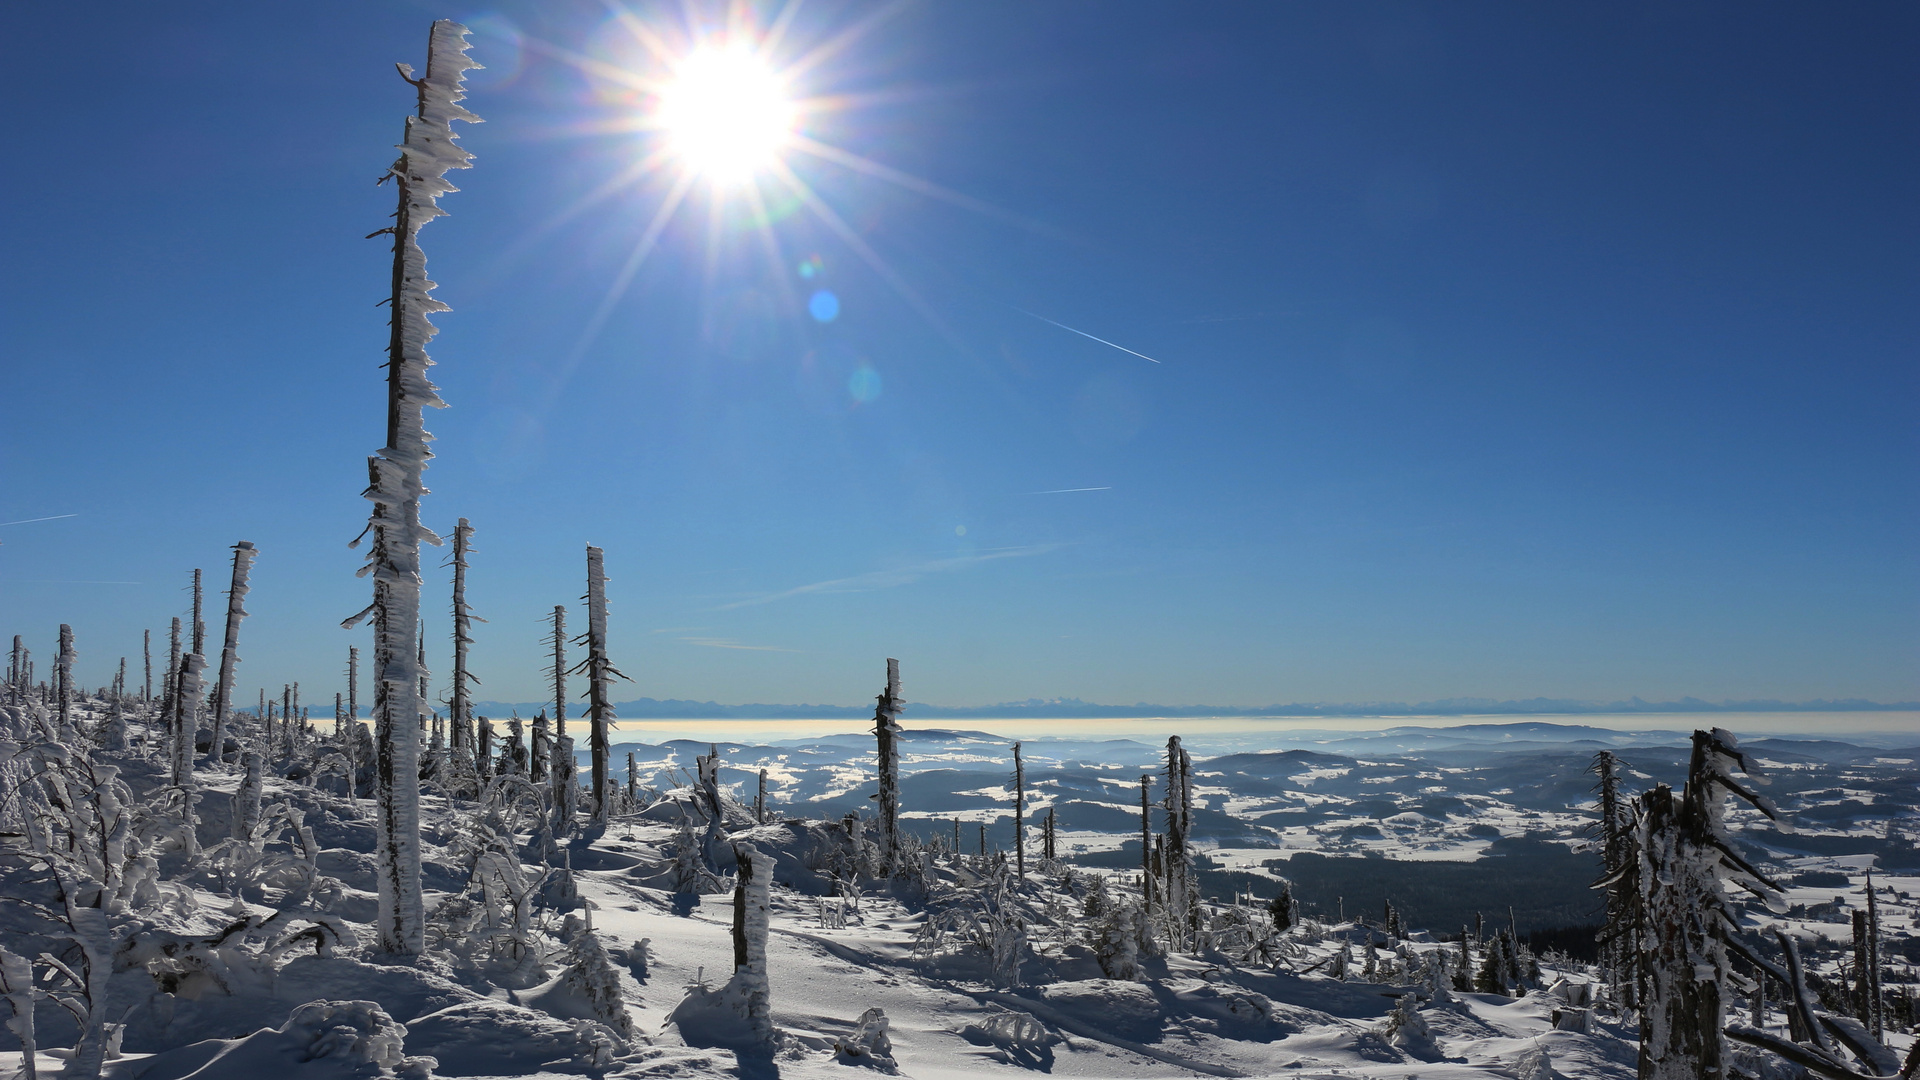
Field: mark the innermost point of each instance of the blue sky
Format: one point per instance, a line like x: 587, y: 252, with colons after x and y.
x: 1504, y: 350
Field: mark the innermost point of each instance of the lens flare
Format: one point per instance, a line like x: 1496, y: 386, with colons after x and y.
x: 726, y: 113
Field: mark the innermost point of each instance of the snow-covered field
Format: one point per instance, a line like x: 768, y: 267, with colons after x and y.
x: 571, y: 958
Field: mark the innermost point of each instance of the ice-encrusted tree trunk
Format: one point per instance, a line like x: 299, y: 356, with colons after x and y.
x: 760, y: 801
x: 17, y: 671
x: 600, y: 674
x: 750, y: 893
x: 1047, y: 850
x: 542, y: 755
x: 566, y: 785
x: 396, y: 473
x: 1685, y: 856
x: 1019, y: 814
x: 707, y: 773
x: 246, y: 797
x: 146, y: 656
x: 188, y: 686
x: 243, y: 556
x: 1619, y: 943
x: 886, y: 731
x: 63, y: 677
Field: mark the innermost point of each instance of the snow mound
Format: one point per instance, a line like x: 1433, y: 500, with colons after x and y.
x: 161, y: 1021
x: 493, y: 1038
x: 1126, y: 1009
x: 1018, y: 1037
x: 321, y: 1040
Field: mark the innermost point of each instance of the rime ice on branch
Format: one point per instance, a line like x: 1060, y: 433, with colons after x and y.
x: 396, y: 485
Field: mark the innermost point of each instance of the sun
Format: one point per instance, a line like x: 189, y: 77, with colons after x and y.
x: 726, y: 113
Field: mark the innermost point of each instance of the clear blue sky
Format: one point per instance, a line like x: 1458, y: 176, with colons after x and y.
x: 1505, y: 350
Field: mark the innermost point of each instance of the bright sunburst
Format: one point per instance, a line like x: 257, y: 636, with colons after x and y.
x: 726, y: 110
x: 725, y: 113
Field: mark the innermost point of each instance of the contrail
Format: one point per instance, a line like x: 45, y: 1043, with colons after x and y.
x: 29, y: 521
x: 1063, y: 491
x: 1084, y: 334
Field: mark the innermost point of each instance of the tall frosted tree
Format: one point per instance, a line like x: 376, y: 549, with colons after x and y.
x: 886, y: 730
x: 600, y: 674
x: 1179, y: 879
x: 396, y: 480
x: 243, y: 555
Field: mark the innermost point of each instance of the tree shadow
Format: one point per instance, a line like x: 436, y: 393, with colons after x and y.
x: 755, y: 1063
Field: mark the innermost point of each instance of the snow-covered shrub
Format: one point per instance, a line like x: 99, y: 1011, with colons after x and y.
x: 245, y: 862
x: 690, y: 872
x: 868, y: 1044
x: 1534, y: 1063
x: 1409, y: 1032
x: 16, y: 986
x: 241, y: 959
x: 1115, y: 934
x: 588, y: 985
x: 986, y: 917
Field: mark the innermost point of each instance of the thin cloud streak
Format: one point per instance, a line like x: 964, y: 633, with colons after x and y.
x: 1064, y: 491
x: 29, y: 521
x: 729, y: 643
x: 1090, y: 337
x: 889, y: 579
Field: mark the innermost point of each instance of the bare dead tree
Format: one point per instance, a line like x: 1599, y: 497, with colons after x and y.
x: 199, y: 624
x: 887, y: 731
x: 1019, y: 814
x: 600, y: 674
x: 243, y: 556
x: 559, y: 642
x: 459, y: 705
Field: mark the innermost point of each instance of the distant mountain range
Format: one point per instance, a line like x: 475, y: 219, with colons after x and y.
x: 1074, y: 708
